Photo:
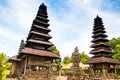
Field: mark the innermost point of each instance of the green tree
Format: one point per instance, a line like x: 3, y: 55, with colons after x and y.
x: 66, y: 60
x: 83, y: 57
x: 116, y: 53
x: 54, y: 49
x: 113, y: 42
x: 4, y: 66
x: 115, y: 45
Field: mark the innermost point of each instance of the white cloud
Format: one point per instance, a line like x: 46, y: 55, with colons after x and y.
x: 81, y: 42
x: 9, y: 34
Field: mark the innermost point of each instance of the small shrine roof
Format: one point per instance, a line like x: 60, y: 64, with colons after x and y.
x: 67, y: 67
x: 14, y: 58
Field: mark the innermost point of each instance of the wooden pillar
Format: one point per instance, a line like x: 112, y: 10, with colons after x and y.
x: 115, y: 69
x: 25, y: 65
x: 103, y: 70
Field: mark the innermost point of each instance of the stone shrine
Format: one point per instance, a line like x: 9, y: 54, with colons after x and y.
x: 76, y: 73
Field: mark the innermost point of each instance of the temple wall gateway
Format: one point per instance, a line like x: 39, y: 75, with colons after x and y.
x: 15, y: 69
x: 37, y: 68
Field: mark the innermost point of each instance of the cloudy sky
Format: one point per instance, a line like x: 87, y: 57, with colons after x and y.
x: 71, y: 22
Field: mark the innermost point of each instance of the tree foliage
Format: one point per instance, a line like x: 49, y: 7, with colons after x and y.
x: 4, y: 66
x: 54, y: 49
x: 66, y: 60
x: 83, y: 57
x: 115, y: 45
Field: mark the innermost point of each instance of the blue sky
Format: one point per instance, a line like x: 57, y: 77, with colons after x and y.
x: 71, y: 22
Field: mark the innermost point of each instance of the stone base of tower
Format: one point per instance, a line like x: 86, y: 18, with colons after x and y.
x: 40, y: 76
x: 107, y: 76
x: 38, y: 70
x: 34, y: 76
x: 76, y: 73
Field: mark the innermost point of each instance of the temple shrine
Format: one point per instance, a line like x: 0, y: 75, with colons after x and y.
x: 102, y: 64
x: 34, y: 61
x: 76, y: 72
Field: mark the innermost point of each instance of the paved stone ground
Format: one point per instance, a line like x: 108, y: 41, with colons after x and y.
x: 61, y: 78
x: 57, y: 78
x: 10, y: 79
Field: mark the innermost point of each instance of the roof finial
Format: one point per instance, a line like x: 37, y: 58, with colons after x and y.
x: 97, y: 16
x: 43, y: 4
x: 76, y: 49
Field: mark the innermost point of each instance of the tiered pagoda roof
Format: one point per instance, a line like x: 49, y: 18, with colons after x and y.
x: 38, y: 38
x: 101, y: 50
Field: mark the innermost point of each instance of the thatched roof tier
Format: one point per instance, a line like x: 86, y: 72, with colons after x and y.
x: 42, y: 53
x: 41, y: 27
x: 40, y: 18
x: 37, y: 22
x: 99, y: 39
x: 43, y: 11
x: 100, y: 51
x: 99, y: 34
x: 98, y: 31
x: 40, y: 42
x: 98, y: 27
x: 97, y: 60
x: 40, y: 34
x: 42, y: 15
x: 100, y: 44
